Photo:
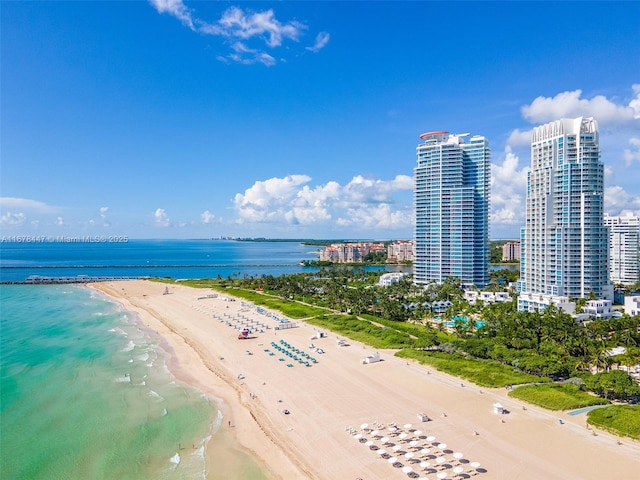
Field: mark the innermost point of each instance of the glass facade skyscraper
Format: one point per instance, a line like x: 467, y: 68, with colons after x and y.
x: 452, y: 209
x: 564, y: 244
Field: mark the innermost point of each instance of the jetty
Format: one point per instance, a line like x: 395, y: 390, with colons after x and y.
x: 41, y: 280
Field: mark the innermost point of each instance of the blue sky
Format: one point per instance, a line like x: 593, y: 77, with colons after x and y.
x: 183, y: 119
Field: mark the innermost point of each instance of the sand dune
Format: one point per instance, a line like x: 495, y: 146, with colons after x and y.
x: 330, y: 400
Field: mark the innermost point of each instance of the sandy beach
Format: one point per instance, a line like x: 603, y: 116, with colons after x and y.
x: 330, y: 401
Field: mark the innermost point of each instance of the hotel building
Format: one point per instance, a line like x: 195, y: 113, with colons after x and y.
x: 564, y: 244
x: 624, y: 239
x: 452, y: 209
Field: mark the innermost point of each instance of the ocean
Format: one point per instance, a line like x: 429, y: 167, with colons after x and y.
x: 85, y: 390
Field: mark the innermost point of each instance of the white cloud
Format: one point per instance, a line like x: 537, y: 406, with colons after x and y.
x: 240, y: 26
x: 160, y: 217
x: 103, y: 212
x: 321, y: 41
x: 26, y: 204
x: 617, y: 200
x: 570, y: 104
x: 360, y: 203
x: 508, y: 191
x: 630, y: 155
x: 207, y: 216
x: 13, y: 219
x: 519, y: 138
x: 175, y: 8
x: 635, y: 103
x: 60, y: 221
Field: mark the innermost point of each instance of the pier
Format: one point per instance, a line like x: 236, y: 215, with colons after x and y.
x: 42, y: 280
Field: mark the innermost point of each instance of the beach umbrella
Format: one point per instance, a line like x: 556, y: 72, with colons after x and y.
x: 407, y: 469
x: 414, y: 443
x: 442, y: 446
x: 442, y: 475
x: 392, y: 460
x: 382, y: 451
x: 357, y: 436
x: 425, y: 451
x: 408, y: 455
x: 396, y: 448
x: 458, y: 455
x: 375, y: 433
x: 431, y: 438
x: 364, y: 426
x: 368, y: 443
x: 424, y: 465
x: 458, y: 470
x: 402, y: 436
x: 474, y: 464
x: 407, y: 426
x: 441, y: 460
x: 418, y: 432
x: 384, y: 440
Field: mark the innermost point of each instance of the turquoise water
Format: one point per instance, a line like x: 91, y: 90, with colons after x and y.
x: 85, y: 393
x: 452, y: 323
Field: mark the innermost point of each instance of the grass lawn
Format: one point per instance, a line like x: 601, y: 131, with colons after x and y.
x: 556, y: 396
x: 623, y: 420
x: 485, y: 373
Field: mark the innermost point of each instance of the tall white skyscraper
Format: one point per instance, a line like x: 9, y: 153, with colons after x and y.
x: 564, y: 244
x: 452, y: 209
x: 624, y: 238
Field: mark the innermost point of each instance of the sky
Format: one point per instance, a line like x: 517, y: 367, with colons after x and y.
x: 197, y: 119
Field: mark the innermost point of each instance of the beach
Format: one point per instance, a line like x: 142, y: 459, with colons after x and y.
x: 330, y: 401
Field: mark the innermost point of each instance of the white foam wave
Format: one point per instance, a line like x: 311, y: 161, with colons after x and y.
x: 130, y: 346
x: 143, y: 358
x: 175, y: 459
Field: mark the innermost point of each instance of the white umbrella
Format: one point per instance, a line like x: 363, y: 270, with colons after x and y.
x: 458, y: 455
x: 357, y: 436
x: 392, y: 460
x: 364, y: 426
x: 458, y: 470
x: 441, y: 460
x: 368, y: 443
x: 425, y: 451
x: 407, y: 469
x: 375, y: 433
x: 402, y: 436
x: 442, y: 475
x: 425, y: 465
x: 407, y: 426
x: 392, y: 428
x: 382, y: 451
x: 474, y: 464
x: 442, y: 446
x: 384, y: 439
x: 414, y: 443
x: 408, y: 455
x: 396, y: 448
x: 418, y: 432
x: 431, y: 438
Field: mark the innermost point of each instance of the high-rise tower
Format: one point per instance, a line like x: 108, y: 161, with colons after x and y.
x: 452, y: 209
x: 564, y: 244
x: 624, y: 245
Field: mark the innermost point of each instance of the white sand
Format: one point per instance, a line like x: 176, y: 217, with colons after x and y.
x: 340, y: 392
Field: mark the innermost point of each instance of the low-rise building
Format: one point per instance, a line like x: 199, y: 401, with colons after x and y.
x: 632, y: 305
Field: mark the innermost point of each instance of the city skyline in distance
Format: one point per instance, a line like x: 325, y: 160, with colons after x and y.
x: 294, y: 119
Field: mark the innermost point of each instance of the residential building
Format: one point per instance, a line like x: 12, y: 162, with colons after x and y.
x: 564, y: 244
x: 387, y: 279
x: 451, y: 199
x: 624, y: 249
x: 632, y: 305
x: 401, y: 251
x: 511, y: 251
x: 349, y: 252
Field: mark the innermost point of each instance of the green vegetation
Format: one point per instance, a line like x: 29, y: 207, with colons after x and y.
x: 556, y: 396
x: 481, y: 372
x: 617, y: 419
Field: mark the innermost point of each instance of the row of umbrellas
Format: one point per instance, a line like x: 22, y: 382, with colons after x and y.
x: 418, y: 457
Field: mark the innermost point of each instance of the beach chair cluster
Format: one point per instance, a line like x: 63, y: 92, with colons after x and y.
x: 415, y: 453
x: 239, y: 321
x: 293, y: 353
